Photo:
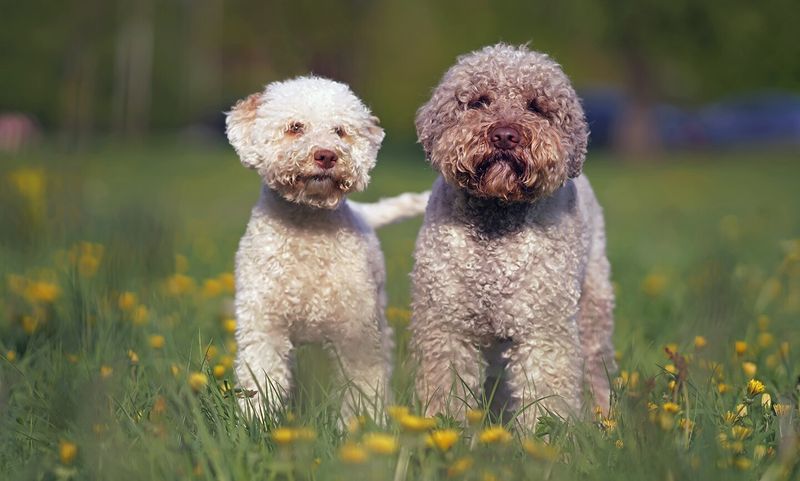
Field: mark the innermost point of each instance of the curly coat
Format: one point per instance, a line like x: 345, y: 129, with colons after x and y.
x: 510, y: 270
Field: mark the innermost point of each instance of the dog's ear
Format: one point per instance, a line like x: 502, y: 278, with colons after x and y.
x: 374, y: 130
x: 579, y: 133
x: 240, y: 122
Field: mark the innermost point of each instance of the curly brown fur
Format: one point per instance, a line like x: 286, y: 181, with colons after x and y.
x: 512, y: 250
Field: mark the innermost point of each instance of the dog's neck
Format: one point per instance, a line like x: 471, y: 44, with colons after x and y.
x: 277, y: 207
x: 489, y: 217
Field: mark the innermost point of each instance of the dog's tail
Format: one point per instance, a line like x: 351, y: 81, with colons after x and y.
x: 393, y: 209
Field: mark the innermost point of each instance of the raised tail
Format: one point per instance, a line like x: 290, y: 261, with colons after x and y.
x: 392, y: 209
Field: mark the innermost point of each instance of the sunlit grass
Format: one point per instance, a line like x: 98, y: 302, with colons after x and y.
x: 116, y: 332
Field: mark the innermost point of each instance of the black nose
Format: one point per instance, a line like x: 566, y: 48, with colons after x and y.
x: 504, y: 137
x: 325, y: 158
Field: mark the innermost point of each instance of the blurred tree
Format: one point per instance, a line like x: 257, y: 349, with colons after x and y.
x: 138, y: 66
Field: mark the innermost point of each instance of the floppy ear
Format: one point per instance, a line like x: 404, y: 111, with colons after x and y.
x: 374, y: 130
x: 580, y: 138
x: 240, y: 122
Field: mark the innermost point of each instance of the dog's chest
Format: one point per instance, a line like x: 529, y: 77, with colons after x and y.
x: 525, y: 272
x: 314, y: 275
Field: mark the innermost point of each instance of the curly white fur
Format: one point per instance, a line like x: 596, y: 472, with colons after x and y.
x: 309, y: 267
x: 510, y: 272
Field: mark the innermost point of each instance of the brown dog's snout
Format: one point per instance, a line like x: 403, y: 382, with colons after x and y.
x: 325, y: 158
x: 504, y: 137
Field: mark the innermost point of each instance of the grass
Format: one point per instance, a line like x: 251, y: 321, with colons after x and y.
x: 116, y: 344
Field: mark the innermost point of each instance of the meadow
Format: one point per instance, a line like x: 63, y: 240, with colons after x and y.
x: 116, y: 330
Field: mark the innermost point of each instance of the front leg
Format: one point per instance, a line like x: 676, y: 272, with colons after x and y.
x: 450, y: 365
x: 262, y: 362
x: 544, y: 371
x: 364, y: 359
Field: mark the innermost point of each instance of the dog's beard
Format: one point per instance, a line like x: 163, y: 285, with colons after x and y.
x: 314, y: 187
x: 520, y: 175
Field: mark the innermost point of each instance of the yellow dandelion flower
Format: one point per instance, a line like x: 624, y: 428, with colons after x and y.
x: 755, y: 387
x: 398, y: 314
x: 353, y: 453
x: 765, y: 340
x: 106, y: 371
x: 700, y: 342
x: 772, y: 361
x: 226, y: 361
x: 156, y: 341
x: 460, y: 466
x: 539, y: 450
x: 175, y: 369
x: 159, y: 406
x: 782, y: 409
x: 89, y: 260
x: 127, y: 301
x: 609, y: 424
x: 766, y: 401
x: 729, y: 417
x: 397, y: 412
x: 211, y: 352
x: 442, y: 439
x: 741, y: 410
x: 651, y: 406
x: 671, y: 385
x: 219, y: 371
x: 229, y: 325
x: 409, y: 422
x: 228, y: 282
x: 197, y: 381
x: 30, y: 324
x: 686, y: 424
x: 741, y: 432
x: 722, y: 388
x: 749, y: 369
x: 180, y: 284
x: 133, y: 356
x: 654, y: 284
x: 11, y: 355
x: 666, y: 421
x: 42, y: 291
x: 283, y: 435
x: 671, y: 407
x: 380, y: 443
x: 67, y: 451
x: 671, y: 348
x: 475, y: 416
x: 140, y: 315
x: 760, y: 451
x: 740, y: 347
x: 670, y: 368
x: 211, y: 288
x: 494, y: 434
x: 619, y: 444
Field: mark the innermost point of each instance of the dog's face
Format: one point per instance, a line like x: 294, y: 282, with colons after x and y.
x: 504, y: 123
x: 310, y: 139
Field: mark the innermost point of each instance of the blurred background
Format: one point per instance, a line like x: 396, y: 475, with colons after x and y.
x: 654, y: 75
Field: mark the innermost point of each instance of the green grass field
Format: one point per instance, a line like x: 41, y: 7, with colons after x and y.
x: 116, y: 344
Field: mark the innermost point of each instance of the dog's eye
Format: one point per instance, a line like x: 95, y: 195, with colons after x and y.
x: 340, y: 131
x: 480, y: 102
x: 296, y: 128
x: 535, y: 107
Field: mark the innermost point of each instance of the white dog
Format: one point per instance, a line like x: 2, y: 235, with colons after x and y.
x: 309, y: 267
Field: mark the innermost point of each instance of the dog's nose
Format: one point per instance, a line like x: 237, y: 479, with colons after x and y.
x: 504, y: 137
x: 325, y: 158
